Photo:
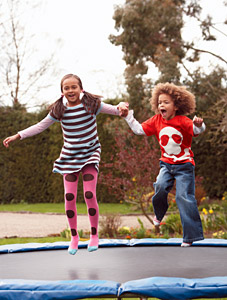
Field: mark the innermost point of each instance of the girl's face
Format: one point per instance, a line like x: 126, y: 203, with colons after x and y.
x: 166, y: 106
x: 71, y: 90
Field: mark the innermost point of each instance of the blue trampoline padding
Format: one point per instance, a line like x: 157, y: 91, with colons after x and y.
x: 11, y: 248
x: 72, y: 289
x: 177, y: 242
x: 159, y: 287
x: 109, y: 243
x: 177, y: 288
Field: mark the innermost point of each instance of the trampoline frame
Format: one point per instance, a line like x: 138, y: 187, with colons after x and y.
x: 155, y: 287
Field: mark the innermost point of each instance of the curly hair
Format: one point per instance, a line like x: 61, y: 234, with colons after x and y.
x: 183, y: 99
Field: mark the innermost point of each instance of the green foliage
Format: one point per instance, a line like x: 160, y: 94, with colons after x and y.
x: 138, y: 232
x: 146, y: 32
x: 210, y: 148
x: 124, y: 230
x: 49, y: 239
x: 214, y: 218
x: 209, y: 88
x: 172, y: 225
x: 26, y: 164
x: 141, y: 233
x: 220, y: 235
x: 211, y: 166
x: 150, y: 31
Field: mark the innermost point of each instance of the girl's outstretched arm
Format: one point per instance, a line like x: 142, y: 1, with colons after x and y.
x: 11, y: 139
x: 30, y: 131
x: 120, y: 110
x: 37, y: 128
x: 134, y: 124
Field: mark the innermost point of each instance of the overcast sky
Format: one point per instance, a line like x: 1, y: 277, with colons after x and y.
x: 83, y: 26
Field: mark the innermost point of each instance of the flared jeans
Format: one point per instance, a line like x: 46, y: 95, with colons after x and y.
x: 184, y: 174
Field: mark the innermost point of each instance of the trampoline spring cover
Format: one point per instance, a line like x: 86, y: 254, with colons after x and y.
x: 159, y: 287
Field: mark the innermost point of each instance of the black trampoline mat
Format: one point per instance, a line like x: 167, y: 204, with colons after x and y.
x: 118, y: 264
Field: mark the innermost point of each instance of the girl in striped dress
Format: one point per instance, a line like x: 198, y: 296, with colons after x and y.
x: 76, y: 110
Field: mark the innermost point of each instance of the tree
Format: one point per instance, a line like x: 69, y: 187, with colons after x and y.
x: 209, y: 88
x: 21, y: 69
x: 210, y: 149
x: 150, y: 32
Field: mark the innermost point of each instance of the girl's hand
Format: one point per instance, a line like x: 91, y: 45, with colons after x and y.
x: 10, y: 139
x: 123, y: 109
x: 197, y: 121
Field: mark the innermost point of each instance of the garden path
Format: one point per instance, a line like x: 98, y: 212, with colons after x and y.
x: 42, y: 225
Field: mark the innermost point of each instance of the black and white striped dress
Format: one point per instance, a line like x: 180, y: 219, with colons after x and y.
x: 81, y: 144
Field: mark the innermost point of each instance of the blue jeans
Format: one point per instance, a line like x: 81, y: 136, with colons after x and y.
x: 185, y: 198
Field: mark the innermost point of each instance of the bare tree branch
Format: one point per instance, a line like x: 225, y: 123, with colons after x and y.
x: 218, y: 30
x: 20, y: 70
x: 205, y: 51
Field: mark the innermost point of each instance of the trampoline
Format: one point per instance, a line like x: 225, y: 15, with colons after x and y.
x: 119, y: 269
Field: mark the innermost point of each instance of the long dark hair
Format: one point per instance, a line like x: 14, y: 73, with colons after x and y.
x: 91, y: 102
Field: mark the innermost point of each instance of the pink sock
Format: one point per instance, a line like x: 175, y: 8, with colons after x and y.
x: 90, y: 175
x: 70, y: 185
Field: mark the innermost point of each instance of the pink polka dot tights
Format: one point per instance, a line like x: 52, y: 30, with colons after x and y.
x: 89, y: 175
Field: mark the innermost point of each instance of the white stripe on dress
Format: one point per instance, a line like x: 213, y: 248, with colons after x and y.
x: 81, y: 144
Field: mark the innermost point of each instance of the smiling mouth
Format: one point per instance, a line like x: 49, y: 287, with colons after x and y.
x: 163, y: 112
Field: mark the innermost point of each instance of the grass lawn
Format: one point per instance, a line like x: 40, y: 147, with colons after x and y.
x: 104, y: 208
x: 49, y: 239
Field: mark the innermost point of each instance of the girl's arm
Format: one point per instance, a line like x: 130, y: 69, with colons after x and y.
x: 120, y: 110
x: 30, y: 131
x: 37, y: 128
x: 10, y: 139
x: 134, y: 124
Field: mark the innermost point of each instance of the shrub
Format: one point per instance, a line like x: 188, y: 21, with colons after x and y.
x: 172, y: 225
x: 214, y: 218
x: 220, y: 235
x: 109, y: 225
